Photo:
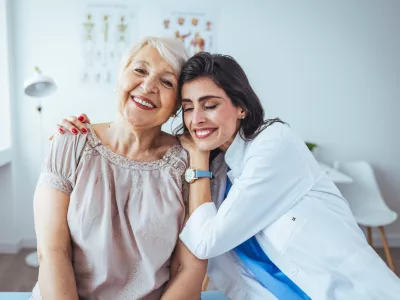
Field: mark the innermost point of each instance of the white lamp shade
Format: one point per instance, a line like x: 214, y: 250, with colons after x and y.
x: 39, y: 85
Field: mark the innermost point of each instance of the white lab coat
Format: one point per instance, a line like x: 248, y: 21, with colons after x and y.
x: 299, y: 218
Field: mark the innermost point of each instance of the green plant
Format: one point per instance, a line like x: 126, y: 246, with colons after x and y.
x: 311, y: 146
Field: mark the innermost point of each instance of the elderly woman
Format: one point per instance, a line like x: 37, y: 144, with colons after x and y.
x: 109, y: 205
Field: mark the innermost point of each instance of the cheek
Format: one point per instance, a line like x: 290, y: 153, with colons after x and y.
x: 225, y: 118
x: 128, y: 82
x: 168, y: 99
x: 228, y: 123
x: 187, y: 119
x: 127, y: 85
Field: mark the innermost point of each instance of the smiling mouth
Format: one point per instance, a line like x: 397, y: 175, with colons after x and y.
x: 143, y: 102
x: 204, y: 133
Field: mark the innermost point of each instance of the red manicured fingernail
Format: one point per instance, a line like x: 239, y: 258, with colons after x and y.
x: 60, y: 130
x: 84, y: 130
x: 74, y: 131
x: 81, y: 119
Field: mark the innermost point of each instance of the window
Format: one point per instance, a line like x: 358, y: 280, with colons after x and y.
x: 5, y: 110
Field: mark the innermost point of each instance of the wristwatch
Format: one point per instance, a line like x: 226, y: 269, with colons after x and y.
x: 192, y: 174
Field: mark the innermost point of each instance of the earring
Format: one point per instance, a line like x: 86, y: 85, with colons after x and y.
x: 242, y: 117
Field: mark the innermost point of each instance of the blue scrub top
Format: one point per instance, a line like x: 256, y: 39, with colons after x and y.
x: 264, y: 270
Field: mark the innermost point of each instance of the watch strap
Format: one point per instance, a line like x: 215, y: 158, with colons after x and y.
x: 202, y: 174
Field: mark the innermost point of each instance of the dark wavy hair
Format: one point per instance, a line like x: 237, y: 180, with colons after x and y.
x: 229, y: 76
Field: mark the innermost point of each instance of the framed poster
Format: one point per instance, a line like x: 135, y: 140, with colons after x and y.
x: 195, y: 29
x: 107, y: 32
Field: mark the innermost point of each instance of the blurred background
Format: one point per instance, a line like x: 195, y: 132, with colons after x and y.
x: 331, y: 69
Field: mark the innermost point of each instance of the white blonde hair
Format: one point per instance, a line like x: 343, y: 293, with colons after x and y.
x: 172, y: 50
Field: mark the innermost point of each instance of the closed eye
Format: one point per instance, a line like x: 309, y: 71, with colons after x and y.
x: 140, y: 71
x: 187, y: 109
x: 205, y: 107
x: 167, y: 83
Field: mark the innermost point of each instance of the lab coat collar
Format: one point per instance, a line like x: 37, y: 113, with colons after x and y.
x: 234, y: 156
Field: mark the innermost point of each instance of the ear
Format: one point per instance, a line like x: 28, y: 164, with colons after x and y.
x: 242, y: 113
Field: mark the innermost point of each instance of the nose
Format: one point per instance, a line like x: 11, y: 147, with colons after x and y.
x: 149, y: 84
x: 198, y: 116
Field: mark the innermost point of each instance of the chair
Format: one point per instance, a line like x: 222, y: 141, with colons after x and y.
x: 366, y: 202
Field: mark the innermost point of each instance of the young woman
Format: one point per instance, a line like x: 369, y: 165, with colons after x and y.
x: 271, y: 223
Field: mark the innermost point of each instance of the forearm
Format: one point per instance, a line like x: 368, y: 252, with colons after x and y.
x: 56, y: 276
x: 186, y: 284
x: 200, y: 189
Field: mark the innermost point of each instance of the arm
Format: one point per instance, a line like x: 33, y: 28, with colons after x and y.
x: 275, y: 177
x: 187, y: 275
x: 56, y: 276
x: 200, y: 190
x: 187, y: 271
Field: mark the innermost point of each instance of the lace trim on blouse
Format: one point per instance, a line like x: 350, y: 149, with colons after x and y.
x: 174, y: 161
x: 122, y: 161
x: 57, y: 182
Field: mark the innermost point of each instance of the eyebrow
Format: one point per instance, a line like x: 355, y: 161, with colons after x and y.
x: 142, y: 62
x: 147, y: 64
x: 203, y: 98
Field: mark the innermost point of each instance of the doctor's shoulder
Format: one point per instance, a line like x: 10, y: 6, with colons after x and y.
x: 275, y: 138
x: 270, y: 136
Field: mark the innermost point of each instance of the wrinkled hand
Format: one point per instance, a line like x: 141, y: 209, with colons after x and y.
x: 73, y: 124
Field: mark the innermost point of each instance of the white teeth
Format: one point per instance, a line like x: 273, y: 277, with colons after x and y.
x: 138, y: 100
x: 202, y: 132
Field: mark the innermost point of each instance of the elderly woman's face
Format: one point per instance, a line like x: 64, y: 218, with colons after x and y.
x: 148, y: 90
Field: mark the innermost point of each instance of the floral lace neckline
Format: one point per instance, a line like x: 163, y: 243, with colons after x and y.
x: 122, y: 161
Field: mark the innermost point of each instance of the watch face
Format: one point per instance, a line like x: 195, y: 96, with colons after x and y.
x: 189, y: 175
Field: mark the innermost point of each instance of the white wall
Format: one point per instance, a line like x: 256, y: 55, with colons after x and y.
x: 8, y: 230
x: 331, y: 70
x: 8, y: 239
x: 5, y: 135
x: 47, y: 34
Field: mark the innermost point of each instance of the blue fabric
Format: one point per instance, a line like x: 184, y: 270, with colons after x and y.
x: 264, y: 270
x: 227, y: 187
x: 14, y: 296
x: 213, y: 295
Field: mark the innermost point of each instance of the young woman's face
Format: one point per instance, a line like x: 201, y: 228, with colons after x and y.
x: 147, y: 90
x: 209, y: 114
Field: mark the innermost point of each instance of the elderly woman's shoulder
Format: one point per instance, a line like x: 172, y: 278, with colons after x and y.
x: 174, y: 148
x: 168, y: 140
x: 67, y: 147
x: 69, y: 138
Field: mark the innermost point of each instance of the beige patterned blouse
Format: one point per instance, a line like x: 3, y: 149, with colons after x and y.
x: 124, y: 216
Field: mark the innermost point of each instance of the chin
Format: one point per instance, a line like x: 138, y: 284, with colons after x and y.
x: 207, y: 145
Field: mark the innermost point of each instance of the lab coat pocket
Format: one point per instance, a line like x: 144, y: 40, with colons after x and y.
x: 284, y: 230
